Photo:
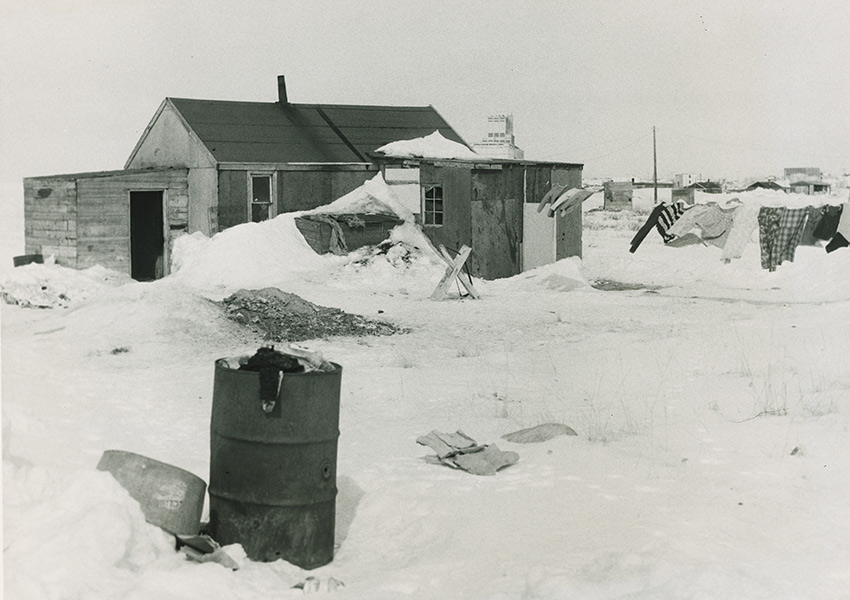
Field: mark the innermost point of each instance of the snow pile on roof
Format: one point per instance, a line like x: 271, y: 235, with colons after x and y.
x: 50, y: 285
x: 430, y: 146
x: 251, y: 255
x: 374, y: 197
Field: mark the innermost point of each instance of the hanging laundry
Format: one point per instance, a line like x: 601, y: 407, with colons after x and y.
x: 744, y: 222
x: 844, y: 221
x: 837, y: 241
x: 842, y: 232
x: 768, y: 220
x: 830, y: 216
x: 813, y: 219
x: 713, y: 221
x: 780, y: 230
x: 569, y: 201
x: 790, y: 231
x: 661, y: 218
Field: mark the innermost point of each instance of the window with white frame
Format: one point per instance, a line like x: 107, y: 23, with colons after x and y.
x: 432, y: 204
x: 261, y: 194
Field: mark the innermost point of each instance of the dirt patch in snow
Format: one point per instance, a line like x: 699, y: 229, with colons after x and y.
x: 283, y: 317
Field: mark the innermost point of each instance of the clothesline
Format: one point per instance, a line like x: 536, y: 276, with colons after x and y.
x: 781, y: 229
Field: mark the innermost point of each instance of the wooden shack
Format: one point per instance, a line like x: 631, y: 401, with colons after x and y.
x: 123, y: 220
x: 617, y: 195
x: 211, y: 165
x: 491, y: 206
x: 206, y: 165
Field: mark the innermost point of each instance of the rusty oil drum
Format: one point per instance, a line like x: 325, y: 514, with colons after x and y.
x: 272, y: 481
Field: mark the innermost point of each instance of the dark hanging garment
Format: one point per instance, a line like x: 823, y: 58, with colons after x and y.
x: 650, y: 222
x: 662, y: 218
x: 769, y: 218
x: 838, y: 241
x: 813, y: 219
x: 830, y: 216
x: 669, y: 215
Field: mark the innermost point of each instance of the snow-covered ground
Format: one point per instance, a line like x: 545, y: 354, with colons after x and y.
x: 712, y: 411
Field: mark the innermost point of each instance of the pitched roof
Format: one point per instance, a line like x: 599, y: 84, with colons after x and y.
x: 274, y: 132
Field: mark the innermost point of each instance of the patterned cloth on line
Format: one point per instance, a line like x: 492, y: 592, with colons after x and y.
x: 769, y: 217
x: 790, y: 231
x: 661, y: 217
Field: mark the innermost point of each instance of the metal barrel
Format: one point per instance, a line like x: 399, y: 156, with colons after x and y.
x: 272, y: 481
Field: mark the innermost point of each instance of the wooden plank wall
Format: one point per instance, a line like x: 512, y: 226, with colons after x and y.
x: 495, y: 238
x: 538, y: 181
x: 568, y: 228
x: 496, y: 222
x: 457, y: 204
x: 50, y: 219
x: 103, y: 215
x: 304, y: 190
x: 232, y: 198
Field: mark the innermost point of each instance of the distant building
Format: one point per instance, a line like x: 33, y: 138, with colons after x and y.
x: 499, y: 141
x: 709, y: 187
x: 810, y: 187
x: 803, y: 173
x: 768, y: 184
x: 683, y: 180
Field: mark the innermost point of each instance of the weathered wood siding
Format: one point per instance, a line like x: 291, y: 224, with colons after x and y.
x: 496, y: 232
x: 168, y: 143
x: 304, y: 190
x: 569, y: 176
x: 232, y: 198
x: 296, y: 190
x: 568, y: 228
x: 103, y: 215
x: 617, y: 195
x: 50, y: 218
x: 457, y: 199
x: 538, y: 181
x: 496, y: 222
x: 84, y: 219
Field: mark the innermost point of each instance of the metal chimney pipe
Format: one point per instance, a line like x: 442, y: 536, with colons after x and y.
x: 281, y: 90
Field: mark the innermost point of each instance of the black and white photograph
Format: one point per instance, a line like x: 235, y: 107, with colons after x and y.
x: 433, y: 300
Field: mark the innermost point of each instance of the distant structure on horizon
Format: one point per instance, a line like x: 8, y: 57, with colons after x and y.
x: 803, y: 173
x: 683, y: 180
x: 499, y: 142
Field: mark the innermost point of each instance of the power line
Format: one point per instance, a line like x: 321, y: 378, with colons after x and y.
x: 754, y: 148
x: 620, y: 149
x: 572, y: 150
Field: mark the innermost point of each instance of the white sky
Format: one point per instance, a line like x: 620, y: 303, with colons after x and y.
x: 736, y: 88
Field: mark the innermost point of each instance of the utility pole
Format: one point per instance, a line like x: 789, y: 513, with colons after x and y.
x: 654, y: 170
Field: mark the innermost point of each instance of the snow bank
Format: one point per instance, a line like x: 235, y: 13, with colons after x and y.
x: 251, y: 255
x: 81, y: 532
x: 430, y: 146
x: 50, y: 285
x: 373, y: 197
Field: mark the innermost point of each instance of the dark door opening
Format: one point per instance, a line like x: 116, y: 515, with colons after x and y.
x: 147, y: 240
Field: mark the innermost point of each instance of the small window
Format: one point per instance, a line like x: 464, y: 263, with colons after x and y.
x: 262, y: 207
x: 432, y: 201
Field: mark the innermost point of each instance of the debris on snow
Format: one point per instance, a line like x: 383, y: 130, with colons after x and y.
x: 204, y: 549
x: 459, y: 451
x: 398, y: 254
x: 539, y: 433
x: 313, y: 585
x: 280, y: 316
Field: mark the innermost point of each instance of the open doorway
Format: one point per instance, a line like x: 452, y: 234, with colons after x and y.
x: 147, y: 239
